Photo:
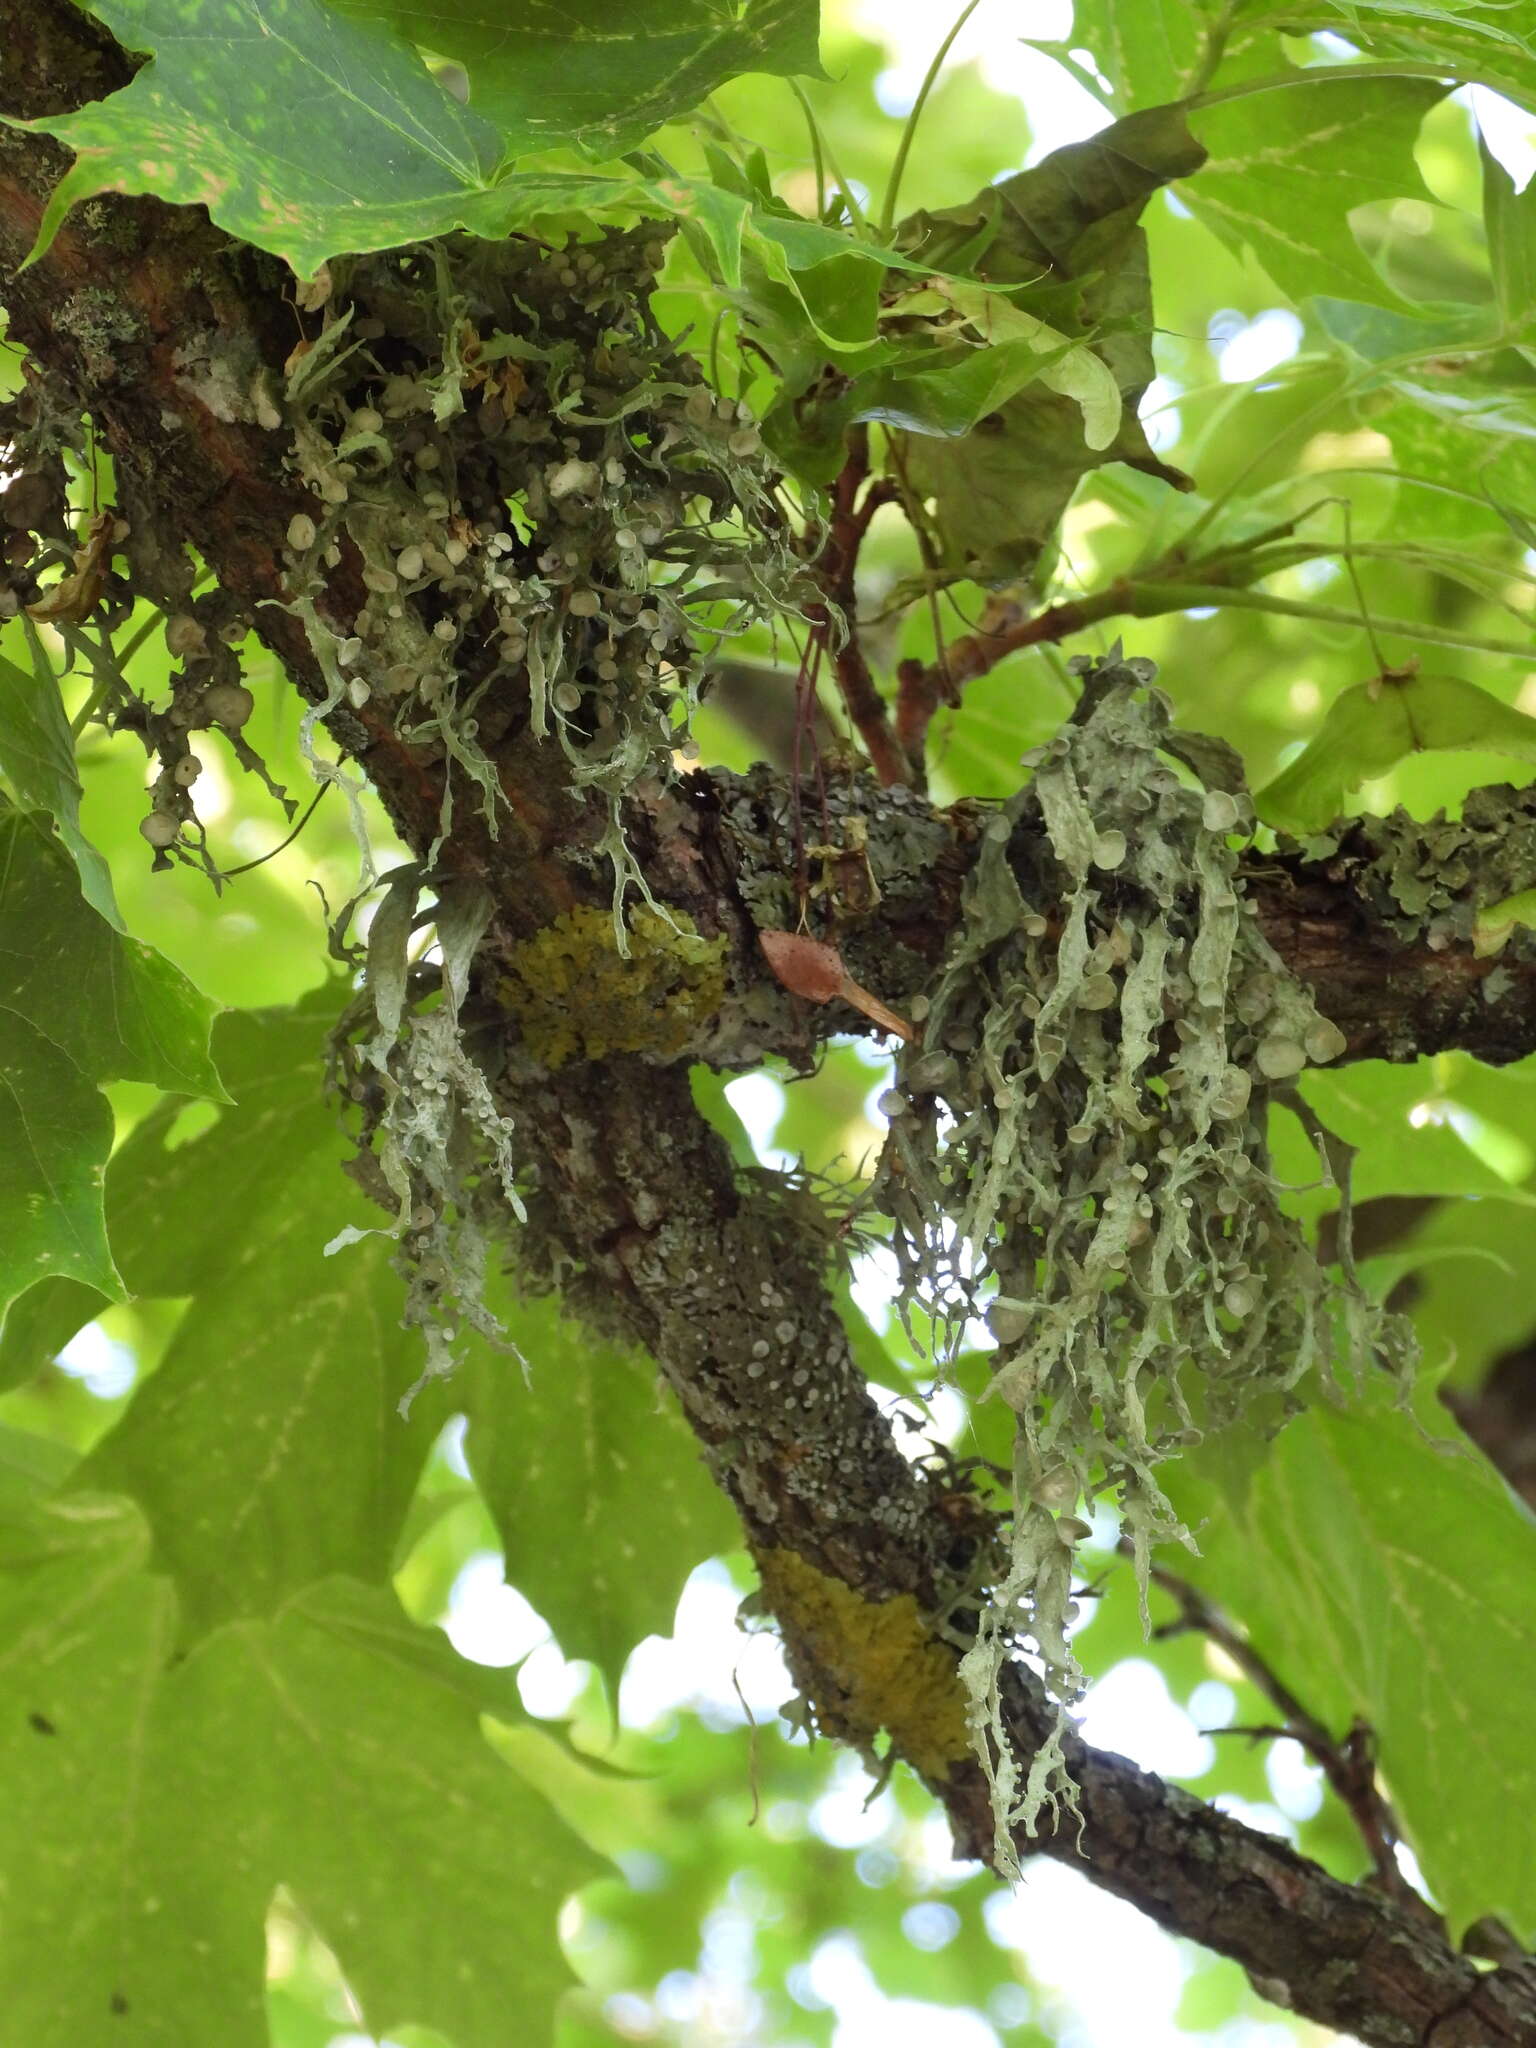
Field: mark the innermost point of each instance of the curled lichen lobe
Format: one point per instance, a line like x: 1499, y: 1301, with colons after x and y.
x: 576, y: 995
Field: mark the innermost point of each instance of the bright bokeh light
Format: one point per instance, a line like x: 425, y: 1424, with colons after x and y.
x: 489, y: 1621
x: 1132, y: 1712
x: 450, y: 1446
x: 215, y: 793
x: 1213, y: 1704
x: 1263, y: 1818
x: 759, y: 1101
x: 704, y: 1661
x: 1505, y: 1151
x: 839, y: 1978
x: 105, y: 1367
x: 1159, y: 412
x: 1295, y: 1782
x: 1059, y: 110
x: 845, y: 1815
x: 1408, y: 1864
x: 1508, y: 130
x: 1256, y: 346
x: 930, y: 1924
x: 873, y: 1287
x: 1065, y: 1929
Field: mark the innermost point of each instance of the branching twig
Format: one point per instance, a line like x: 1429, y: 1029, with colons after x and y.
x: 1170, y: 585
x: 1348, y: 1763
x: 922, y: 688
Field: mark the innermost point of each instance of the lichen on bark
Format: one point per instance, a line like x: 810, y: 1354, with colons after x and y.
x: 880, y: 1668
x: 1079, y: 1150
x: 574, y: 995
x: 547, y: 507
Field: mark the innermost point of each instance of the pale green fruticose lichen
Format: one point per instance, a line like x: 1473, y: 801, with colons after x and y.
x: 549, y: 508
x: 1080, y: 1148
x: 538, y: 511
x: 435, y: 1144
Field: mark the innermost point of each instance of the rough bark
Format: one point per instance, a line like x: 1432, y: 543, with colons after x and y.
x: 864, y: 1555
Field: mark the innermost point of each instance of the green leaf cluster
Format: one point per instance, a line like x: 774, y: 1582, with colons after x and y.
x: 1367, y: 1528
x: 224, y: 114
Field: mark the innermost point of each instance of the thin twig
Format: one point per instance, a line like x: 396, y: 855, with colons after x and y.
x: 836, y: 569
x: 921, y: 688
x: 752, y: 1760
x: 1278, y: 81
x: 229, y: 874
x: 913, y: 742
x: 1348, y: 1764
x: 1348, y: 552
x: 818, y: 160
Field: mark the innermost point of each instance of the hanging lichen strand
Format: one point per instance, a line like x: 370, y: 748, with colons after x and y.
x: 549, y: 503
x: 1080, y: 1149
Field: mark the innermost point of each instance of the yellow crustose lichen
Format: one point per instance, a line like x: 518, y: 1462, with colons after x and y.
x: 577, y: 997
x: 880, y: 1657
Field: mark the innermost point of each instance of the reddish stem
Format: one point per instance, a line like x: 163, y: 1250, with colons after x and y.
x: 922, y: 689
x: 836, y: 570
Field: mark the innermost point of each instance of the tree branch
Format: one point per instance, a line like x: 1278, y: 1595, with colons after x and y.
x: 861, y: 1554
x: 864, y: 1556
x: 1399, y: 984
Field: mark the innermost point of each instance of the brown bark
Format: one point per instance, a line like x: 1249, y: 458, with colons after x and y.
x: 725, y: 1280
